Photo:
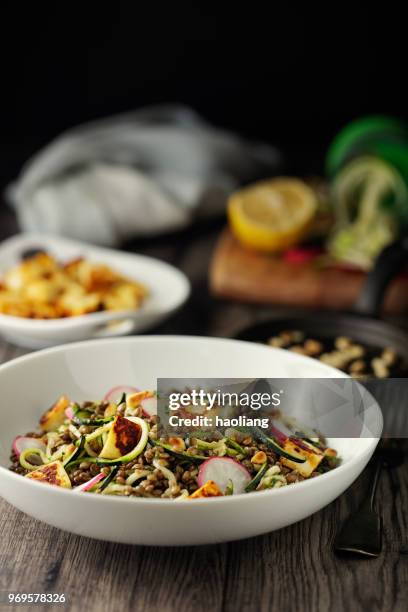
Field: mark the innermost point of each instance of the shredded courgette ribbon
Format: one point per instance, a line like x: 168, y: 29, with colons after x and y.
x: 32, y: 451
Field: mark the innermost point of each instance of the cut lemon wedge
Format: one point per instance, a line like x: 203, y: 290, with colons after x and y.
x: 272, y: 215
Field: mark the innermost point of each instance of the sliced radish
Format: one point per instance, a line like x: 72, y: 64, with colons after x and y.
x: 149, y: 406
x: 69, y: 413
x: 301, y: 444
x: 114, y: 395
x: 21, y: 443
x: 279, y: 435
x: 300, y: 255
x: 91, y: 483
x: 222, y: 470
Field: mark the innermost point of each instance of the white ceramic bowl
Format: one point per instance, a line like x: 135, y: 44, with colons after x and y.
x: 86, y: 370
x: 169, y: 289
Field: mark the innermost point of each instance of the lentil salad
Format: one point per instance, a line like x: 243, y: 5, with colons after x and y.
x: 116, y: 446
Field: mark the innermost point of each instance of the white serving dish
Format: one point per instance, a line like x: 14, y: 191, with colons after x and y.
x: 169, y: 289
x: 88, y: 369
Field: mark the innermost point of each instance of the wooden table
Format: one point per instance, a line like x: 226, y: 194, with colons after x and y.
x: 292, y: 569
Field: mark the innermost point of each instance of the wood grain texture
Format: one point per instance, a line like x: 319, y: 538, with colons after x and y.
x: 289, y: 570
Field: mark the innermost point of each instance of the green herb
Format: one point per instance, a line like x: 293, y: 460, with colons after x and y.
x: 179, y: 454
x: 81, y: 417
x: 270, y: 443
x: 77, y: 452
x: 109, y: 478
x: 122, y: 399
x: 251, y: 486
x: 229, y: 488
x: 236, y: 446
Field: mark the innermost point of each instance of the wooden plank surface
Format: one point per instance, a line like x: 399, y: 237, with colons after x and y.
x: 292, y: 569
x: 241, y: 274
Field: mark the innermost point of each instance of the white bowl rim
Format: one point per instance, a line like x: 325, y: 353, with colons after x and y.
x: 229, y: 499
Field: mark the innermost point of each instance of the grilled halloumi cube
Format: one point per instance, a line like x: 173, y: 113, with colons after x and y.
x: 41, y: 310
x: 55, y: 416
x: 110, y: 410
x: 98, y: 277
x: 12, y: 304
x: 38, y: 266
x: 74, y: 304
x: 53, y: 473
x: 41, y: 290
x: 123, y: 436
x: 133, y: 400
x: 177, y: 444
x: 72, y: 267
x: 307, y: 451
x: 125, y: 296
x: 209, y: 489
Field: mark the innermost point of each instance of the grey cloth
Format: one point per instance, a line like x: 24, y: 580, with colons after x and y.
x: 136, y: 174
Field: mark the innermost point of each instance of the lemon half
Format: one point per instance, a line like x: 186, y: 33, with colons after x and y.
x: 272, y: 215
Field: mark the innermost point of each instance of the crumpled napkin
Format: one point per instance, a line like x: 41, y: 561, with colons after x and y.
x: 137, y: 174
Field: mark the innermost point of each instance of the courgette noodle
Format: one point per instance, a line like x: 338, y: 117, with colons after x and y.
x: 27, y: 453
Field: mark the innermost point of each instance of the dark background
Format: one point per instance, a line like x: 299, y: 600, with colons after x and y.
x: 291, y: 76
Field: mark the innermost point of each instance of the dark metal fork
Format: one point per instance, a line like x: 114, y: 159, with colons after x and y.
x: 361, y: 534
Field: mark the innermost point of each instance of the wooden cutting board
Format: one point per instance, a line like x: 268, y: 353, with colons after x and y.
x: 240, y: 274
